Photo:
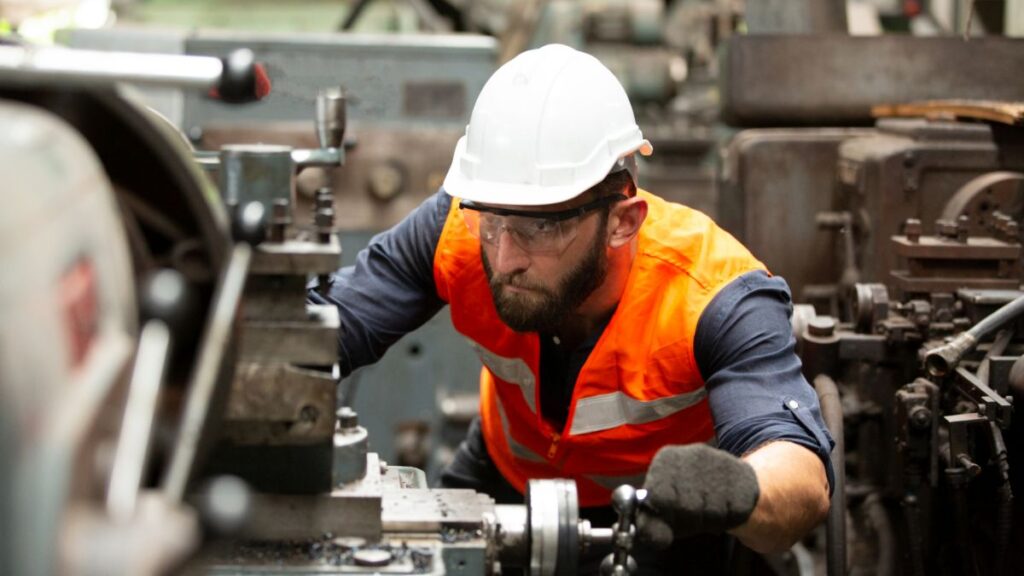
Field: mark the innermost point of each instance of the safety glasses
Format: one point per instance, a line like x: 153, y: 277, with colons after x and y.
x: 533, y: 232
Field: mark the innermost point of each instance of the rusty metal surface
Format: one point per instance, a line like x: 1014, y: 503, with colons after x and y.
x: 775, y: 182
x: 932, y: 247
x: 994, y: 111
x: 796, y: 16
x: 981, y: 198
x: 946, y: 264
x: 911, y: 169
x: 279, y: 404
x: 275, y: 298
x: 323, y: 555
x: 430, y: 510
x: 313, y: 342
x: 295, y: 257
x: 911, y: 284
x: 281, y: 517
x: 829, y: 79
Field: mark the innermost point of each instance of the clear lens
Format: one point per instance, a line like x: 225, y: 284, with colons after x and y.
x: 534, y: 235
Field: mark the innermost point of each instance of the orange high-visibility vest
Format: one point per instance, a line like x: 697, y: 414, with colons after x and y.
x: 640, y: 388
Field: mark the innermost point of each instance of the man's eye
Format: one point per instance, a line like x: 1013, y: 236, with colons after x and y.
x: 491, y: 225
x: 541, y: 226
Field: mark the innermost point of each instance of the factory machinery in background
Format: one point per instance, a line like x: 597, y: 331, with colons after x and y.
x: 929, y: 367
x: 882, y: 178
x: 170, y: 399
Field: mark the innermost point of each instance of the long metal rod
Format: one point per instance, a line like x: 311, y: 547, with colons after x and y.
x: 92, y: 67
x: 139, y: 414
x: 353, y: 15
x: 202, y: 387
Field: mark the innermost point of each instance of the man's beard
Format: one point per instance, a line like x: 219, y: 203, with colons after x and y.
x: 543, y: 309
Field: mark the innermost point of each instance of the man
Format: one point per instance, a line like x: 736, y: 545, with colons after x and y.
x: 620, y: 334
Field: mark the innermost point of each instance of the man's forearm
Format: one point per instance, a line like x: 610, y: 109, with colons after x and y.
x: 793, y: 500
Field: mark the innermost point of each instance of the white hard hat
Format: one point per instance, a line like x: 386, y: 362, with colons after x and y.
x: 548, y: 125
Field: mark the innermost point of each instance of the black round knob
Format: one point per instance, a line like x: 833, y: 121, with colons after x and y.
x: 167, y: 296
x: 624, y: 499
x: 250, y: 223
x: 238, y: 80
x: 225, y: 503
x: 821, y: 326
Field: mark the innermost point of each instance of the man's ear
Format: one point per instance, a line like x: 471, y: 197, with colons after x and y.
x: 625, y: 220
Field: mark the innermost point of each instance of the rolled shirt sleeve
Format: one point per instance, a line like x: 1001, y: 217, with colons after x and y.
x: 745, y: 350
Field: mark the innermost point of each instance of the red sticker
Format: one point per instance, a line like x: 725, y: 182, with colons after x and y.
x: 79, y: 307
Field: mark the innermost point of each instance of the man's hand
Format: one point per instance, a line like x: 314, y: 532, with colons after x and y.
x: 695, y: 489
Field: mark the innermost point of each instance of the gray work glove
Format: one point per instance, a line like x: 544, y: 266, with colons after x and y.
x: 694, y: 489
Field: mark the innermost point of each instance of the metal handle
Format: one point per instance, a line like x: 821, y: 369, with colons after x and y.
x: 140, y: 410
x: 234, y: 77
x: 626, y: 500
x: 168, y: 305
x: 207, y: 372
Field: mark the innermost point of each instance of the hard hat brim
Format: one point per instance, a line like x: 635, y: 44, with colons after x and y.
x: 513, y: 194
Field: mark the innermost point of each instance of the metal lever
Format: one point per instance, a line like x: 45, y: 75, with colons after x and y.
x: 167, y: 303
x: 214, y: 362
x: 330, y: 132
x: 234, y: 76
x: 626, y: 500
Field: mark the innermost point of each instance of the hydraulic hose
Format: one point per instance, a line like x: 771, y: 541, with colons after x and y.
x: 1004, y: 526
x: 915, y: 534
x: 1004, y: 510
x: 883, y: 528
x: 835, y: 524
x: 940, y: 361
x: 957, y: 477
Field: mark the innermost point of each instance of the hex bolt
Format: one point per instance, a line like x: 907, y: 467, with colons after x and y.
x: 324, y: 198
x: 832, y: 220
x: 945, y: 228
x: 822, y: 326
x: 347, y: 418
x: 962, y: 225
x: 912, y: 229
x: 280, y: 219
x: 1012, y: 232
x: 921, y: 417
x: 324, y: 220
x: 909, y: 159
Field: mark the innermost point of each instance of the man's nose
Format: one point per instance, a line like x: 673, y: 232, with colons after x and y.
x: 509, y: 257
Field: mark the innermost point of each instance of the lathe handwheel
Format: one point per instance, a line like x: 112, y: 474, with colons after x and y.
x: 553, y: 509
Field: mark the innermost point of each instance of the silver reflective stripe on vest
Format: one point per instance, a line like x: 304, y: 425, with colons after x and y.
x: 511, y: 370
x: 613, y: 482
x: 610, y: 410
x: 518, y: 450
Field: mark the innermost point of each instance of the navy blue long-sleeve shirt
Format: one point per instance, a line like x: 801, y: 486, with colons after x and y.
x: 743, y: 344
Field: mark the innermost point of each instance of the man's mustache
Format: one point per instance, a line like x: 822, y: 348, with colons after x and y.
x: 516, y: 280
